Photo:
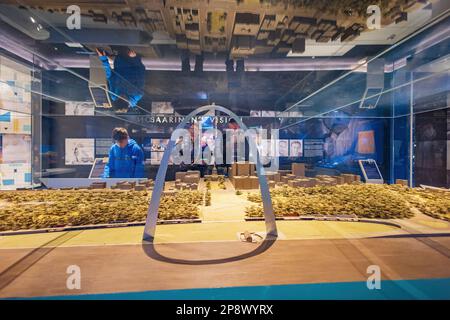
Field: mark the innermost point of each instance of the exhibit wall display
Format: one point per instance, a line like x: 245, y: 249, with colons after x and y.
x: 162, y: 107
x: 271, y: 114
x: 156, y: 148
x: 15, y: 175
x: 155, y: 158
x: 296, y: 148
x: 283, y: 148
x: 313, y: 148
x: 15, y: 85
x: 15, y: 124
x: 102, y: 146
x: 159, y: 145
x: 366, y: 142
x: 267, y: 113
x: 79, y: 108
x: 267, y: 147
x: 80, y: 151
x: 314, y: 141
x: 16, y: 148
x: 340, y: 141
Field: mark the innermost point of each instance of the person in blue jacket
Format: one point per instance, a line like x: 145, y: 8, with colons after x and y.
x: 128, y: 78
x: 126, y: 158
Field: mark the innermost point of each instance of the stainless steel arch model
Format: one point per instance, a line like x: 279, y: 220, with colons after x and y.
x: 152, y: 214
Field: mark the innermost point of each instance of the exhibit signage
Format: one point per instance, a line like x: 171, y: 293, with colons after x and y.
x: 98, y: 168
x: 166, y: 119
x: 371, y: 171
x: 313, y: 148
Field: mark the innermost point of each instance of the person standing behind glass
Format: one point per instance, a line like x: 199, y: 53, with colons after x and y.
x: 126, y: 158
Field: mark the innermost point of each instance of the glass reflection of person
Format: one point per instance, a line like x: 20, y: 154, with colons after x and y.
x: 128, y: 78
x: 126, y: 158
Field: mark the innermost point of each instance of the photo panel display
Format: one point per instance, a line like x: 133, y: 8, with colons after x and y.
x: 162, y: 107
x: 14, y: 122
x: 158, y: 145
x: 79, y: 108
x: 282, y: 148
x: 79, y: 151
x: 296, y: 148
x: 366, y: 142
x: 16, y: 148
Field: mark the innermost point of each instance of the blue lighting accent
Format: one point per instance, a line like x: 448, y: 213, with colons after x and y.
x: 429, y: 289
x: 202, y: 95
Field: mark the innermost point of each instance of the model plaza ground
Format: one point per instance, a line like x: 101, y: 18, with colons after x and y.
x: 400, y: 232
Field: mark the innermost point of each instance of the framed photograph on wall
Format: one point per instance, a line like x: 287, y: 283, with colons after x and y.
x: 266, y: 113
x: 158, y: 145
x: 255, y: 113
x: 16, y: 148
x: 80, y: 151
x: 267, y: 148
x: 162, y: 107
x: 366, y: 142
x: 79, y: 108
x: 283, y: 148
x: 296, y: 148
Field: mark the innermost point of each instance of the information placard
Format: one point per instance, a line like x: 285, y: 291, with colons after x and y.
x: 98, y: 168
x: 313, y: 148
x: 371, y: 171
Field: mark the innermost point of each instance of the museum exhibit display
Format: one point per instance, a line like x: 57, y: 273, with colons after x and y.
x: 189, y: 145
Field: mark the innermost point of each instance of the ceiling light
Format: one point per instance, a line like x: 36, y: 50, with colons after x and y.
x: 32, y: 20
x: 74, y: 45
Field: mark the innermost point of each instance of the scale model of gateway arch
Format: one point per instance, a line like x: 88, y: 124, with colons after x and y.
x: 152, y: 213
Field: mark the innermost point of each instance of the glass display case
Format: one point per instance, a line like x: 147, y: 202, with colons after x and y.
x: 361, y: 112
x: 220, y: 122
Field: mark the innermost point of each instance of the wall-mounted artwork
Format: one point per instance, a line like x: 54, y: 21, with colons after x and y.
x: 366, y: 142
x: 15, y: 85
x: 162, y: 107
x: 79, y: 108
x: 266, y: 113
x: 155, y: 158
x: 14, y: 175
x: 283, y: 148
x: 16, y: 148
x: 159, y: 144
x: 14, y: 122
x: 80, y: 151
x: 296, y: 148
x: 267, y: 148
